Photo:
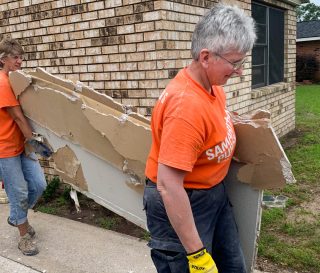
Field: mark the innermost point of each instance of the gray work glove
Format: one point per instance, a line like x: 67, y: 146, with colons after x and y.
x: 39, y: 145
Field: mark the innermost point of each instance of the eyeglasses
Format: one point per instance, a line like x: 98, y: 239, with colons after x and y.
x: 236, y: 65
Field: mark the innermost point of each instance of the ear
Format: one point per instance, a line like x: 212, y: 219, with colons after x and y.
x: 204, y: 57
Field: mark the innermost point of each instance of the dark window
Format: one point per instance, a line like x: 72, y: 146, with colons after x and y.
x: 268, y: 51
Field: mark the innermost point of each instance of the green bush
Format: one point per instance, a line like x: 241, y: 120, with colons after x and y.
x: 51, y: 189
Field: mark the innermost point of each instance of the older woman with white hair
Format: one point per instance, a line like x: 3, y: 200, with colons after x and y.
x: 23, y: 177
x: 189, y: 215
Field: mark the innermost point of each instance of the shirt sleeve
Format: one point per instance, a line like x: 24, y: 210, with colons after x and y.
x: 181, y: 144
x: 7, y: 97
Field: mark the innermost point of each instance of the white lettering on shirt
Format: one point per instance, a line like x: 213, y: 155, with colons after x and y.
x: 224, y: 149
x: 163, y: 96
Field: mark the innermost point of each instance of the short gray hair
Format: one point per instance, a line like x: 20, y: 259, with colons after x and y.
x: 222, y: 30
x: 9, y: 46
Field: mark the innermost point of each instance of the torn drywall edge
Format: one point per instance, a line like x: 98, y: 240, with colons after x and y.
x: 19, y: 81
x: 68, y: 167
x: 88, y: 92
x: 43, y: 79
x: 266, y: 175
x: 258, y: 115
x: 286, y: 171
x: 40, y: 73
x: 125, y: 137
x: 68, y: 85
x: 285, y: 158
x: 55, y: 106
x: 66, y: 161
x: 259, y: 148
x: 107, y: 110
x: 253, y: 140
x: 133, y: 179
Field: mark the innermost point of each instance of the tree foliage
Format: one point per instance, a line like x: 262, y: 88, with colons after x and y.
x: 308, y: 11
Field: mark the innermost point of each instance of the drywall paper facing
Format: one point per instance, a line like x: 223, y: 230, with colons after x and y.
x: 19, y: 81
x: 68, y: 167
x: 98, y: 126
x: 264, y: 162
x: 123, y: 135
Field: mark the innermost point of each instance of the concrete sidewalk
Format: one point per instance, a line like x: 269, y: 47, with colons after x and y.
x: 68, y: 246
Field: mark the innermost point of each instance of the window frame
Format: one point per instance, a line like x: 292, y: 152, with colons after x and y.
x: 266, y: 46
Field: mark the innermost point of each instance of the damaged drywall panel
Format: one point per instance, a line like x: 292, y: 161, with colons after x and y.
x: 97, y: 126
x: 264, y: 162
x: 106, y: 184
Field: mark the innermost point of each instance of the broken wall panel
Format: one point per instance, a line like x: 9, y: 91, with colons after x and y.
x: 107, y: 185
x: 264, y: 162
x: 108, y: 130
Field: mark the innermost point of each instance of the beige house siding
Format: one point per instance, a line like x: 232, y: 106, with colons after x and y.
x: 130, y: 49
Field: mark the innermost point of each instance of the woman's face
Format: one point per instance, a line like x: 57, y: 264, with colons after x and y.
x: 12, y: 62
x: 221, y: 67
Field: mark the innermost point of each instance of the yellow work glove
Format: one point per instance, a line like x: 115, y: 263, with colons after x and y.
x: 201, y: 262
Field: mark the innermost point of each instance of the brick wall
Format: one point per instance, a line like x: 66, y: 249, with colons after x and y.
x: 310, y: 48
x: 279, y: 98
x: 130, y: 49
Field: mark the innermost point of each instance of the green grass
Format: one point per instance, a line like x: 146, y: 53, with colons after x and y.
x: 290, y: 237
x: 52, y: 199
x: 46, y: 209
x: 305, y: 156
x: 108, y: 222
x: 146, y: 236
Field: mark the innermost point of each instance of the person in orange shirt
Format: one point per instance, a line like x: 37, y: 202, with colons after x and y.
x: 23, y: 178
x: 189, y: 215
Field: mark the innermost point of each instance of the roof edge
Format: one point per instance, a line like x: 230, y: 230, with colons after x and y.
x: 292, y: 2
x: 308, y: 39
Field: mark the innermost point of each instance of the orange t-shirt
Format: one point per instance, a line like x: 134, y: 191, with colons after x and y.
x: 191, y: 131
x: 11, y: 137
